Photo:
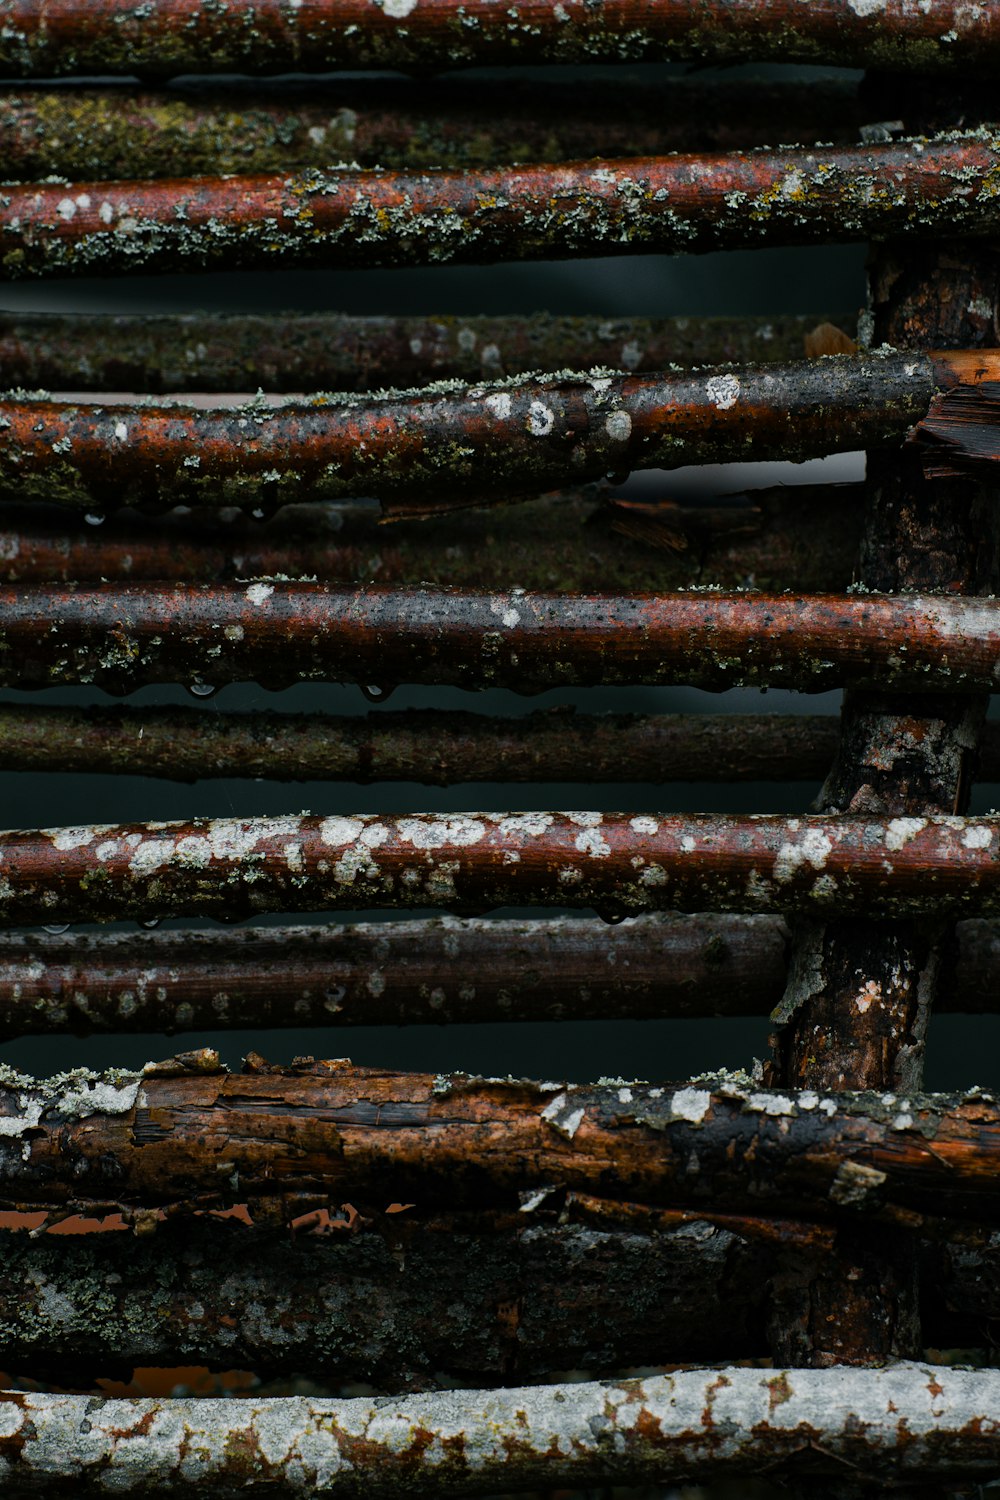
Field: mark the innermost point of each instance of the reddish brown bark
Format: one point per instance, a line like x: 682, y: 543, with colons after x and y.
x: 664, y: 204
x: 611, y: 861
x: 278, y: 633
x: 425, y: 451
x: 186, y: 1135
x: 188, y: 36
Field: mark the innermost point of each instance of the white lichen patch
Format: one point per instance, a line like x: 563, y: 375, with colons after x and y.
x: 259, y: 593
x: 690, y: 1104
x: 618, y: 426
x: 723, y: 391
x: 563, y: 1115
x: 812, y: 848
x: 978, y: 836
x: 430, y: 832
x: 901, y: 830
x: 541, y: 419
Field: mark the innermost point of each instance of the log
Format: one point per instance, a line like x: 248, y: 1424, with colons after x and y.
x: 278, y: 633
x: 429, y: 451
x: 909, y: 1421
x: 803, y: 537
x: 402, y: 1304
x: 346, y: 216
x: 186, y: 1136
x: 231, y: 868
x: 174, y: 353
x: 203, y: 127
x: 262, y: 36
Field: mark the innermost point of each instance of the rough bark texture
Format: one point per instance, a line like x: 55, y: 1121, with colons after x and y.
x: 803, y: 537
x: 337, y: 352
x: 436, y: 449
x: 259, y: 126
x: 185, y: 1136
x: 190, y: 36
x: 231, y: 868
x: 431, y: 972
x: 354, y: 217
x: 278, y: 633
x: 438, y: 747
x: 403, y: 1303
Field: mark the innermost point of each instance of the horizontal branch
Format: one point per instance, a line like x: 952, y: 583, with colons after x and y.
x: 338, y: 352
x: 259, y: 126
x: 902, y: 1422
x: 265, y: 36
x: 430, y: 450
x: 119, y: 637
x: 400, y: 1304
x: 430, y: 746
x: 418, y: 973
x: 354, y: 217
x: 802, y: 537
x: 188, y: 1136
x: 423, y: 972
x: 233, y: 868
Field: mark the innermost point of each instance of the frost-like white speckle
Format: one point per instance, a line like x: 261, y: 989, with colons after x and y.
x: 541, y: 419
x: 901, y: 830
x: 498, y: 405
x: 723, y: 391
x: 618, y: 426
x: 258, y: 593
x: 690, y: 1104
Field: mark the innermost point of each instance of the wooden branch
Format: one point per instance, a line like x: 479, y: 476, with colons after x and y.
x: 417, y: 973
x: 262, y: 36
x: 187, y: 1136
x: 428, y: 451
x: 277, y: 633
x: 903, y: 1422
x: 200, y: 128
x: 803, y: 537
x: 171, y: 353
x: 346, y: 216
x: 403, y: 1303
x: 234, y: 868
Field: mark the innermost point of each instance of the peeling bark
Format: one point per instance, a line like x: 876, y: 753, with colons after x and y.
x: 345, y: 216
x: 231, y: 868
x: 187, y: 1136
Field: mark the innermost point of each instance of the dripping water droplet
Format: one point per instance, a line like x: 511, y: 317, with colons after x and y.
x: 148, y: 923
x: 374, y: 693
x: 613, y: 918
x: 95, y: 517
x: 201, y: 689
x: 56, y: 928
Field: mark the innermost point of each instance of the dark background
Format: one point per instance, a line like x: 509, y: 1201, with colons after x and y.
x: 820, y: 280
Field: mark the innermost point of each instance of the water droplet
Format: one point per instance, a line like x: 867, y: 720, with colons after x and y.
x: 148, y: 923
x: 202, y: 689
x: 95, y: 517
x: 374, y: 693
x: 618, y: 476
x: 258, y: 513
x: 612, y: 917
x: 57, y: 928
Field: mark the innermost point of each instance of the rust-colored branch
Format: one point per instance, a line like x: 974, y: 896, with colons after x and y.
x: 200, y: 128
x: 429, y: 972
x: 611, y: 861
x: 174, y: 353
x: 803, y: 538
x: 401, y: 1303
x: 186, y: 1135
x: 354, y: 217
x: 418, y: 973
x: 430, y: 450
x: 277, y: 633
x: 190, y: 36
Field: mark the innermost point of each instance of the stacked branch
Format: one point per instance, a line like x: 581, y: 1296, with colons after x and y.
x: 277, y: 633
x: 431, y: 450
x: 172, y: 353
x: 429, y: 972
x: 268, y: 37
x: 354, y: 217
x: 229, y: 868
x: 185, y: 1136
